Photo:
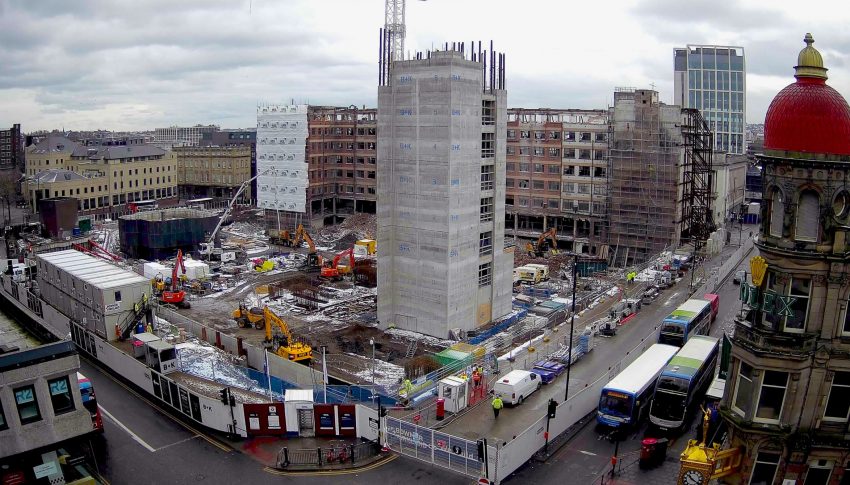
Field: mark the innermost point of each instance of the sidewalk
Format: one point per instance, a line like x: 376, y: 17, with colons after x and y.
x: 308, y: 453
x: 628, y: 470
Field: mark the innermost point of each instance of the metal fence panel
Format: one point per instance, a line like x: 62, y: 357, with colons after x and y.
x: 441, y: 449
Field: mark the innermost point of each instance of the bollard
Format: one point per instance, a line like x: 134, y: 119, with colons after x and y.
x: 351, y: 452
x: 319, y: 452
x: 285, y: 457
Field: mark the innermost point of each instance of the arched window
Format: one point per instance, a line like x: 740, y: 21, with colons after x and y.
x: 808, y: 216
x: 777, y: 213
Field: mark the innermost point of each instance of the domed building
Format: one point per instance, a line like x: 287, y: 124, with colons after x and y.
x: 787, y: 395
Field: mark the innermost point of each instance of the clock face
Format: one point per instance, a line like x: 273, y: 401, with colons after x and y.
x: 693, y: 477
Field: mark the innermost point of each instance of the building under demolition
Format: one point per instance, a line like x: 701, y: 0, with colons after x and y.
x: 659, y: 177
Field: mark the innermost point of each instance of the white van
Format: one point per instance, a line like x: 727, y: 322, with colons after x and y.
x: 516, y: 385
x: 542, y: 268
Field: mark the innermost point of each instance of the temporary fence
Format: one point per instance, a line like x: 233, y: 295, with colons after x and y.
x: 320, y: 457
x: 498, y: 327
x: 435, y: 447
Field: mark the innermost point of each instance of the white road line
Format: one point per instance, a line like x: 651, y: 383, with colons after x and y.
x: 176, y: 443
x: 132, y: 434
x: 587, y: 453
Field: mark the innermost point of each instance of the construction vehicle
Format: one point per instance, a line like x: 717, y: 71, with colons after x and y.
x: 281, y: 342
x: 247, y: 318
x: 365, y: 247
x: 281, y: 238
x: 334, y: 270
x: 173, y: 296
x: 540, y: 247
x: 301, y: 235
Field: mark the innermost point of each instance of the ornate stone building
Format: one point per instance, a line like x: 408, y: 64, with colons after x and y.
x: 787, y: 399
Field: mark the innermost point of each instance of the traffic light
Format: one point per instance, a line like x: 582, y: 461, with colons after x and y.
x: 224, y: 395
x: 382, y: 412
x: 553, y: 408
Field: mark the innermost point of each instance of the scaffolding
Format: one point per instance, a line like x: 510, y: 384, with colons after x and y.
x: 644, y: 170
x: 697, y: 186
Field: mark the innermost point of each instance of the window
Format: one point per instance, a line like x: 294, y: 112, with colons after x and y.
x: 488, y: 145
x: 3, y: 423
x: 523, y: 150
x: 554, y: 169
x: 523, y: 183
x: 117, y: 296
x: 554, y: 186
x: 524, y: 134
x: 570, y: 136
x: 511, y: 134
x: 537, y: 184
x: 555, y: 152
x: 764, y: 469
x: 539, y: 135
x: 539, y: 151
x: 585, y: 137
x: 771, y: 396
x: 808, y: 216
x: 486, y: 209
x: 60, y: 395
x: 524, y: 167
x: 569, y: 169
x: 584, y: 171
x: 838, y: 402
x: 847, y: 318
x: 487, y: 177
x: 27, y: 404
x: 743, y: 390
x: 485, y: 243
x: 819, y: 472
x: 777, y: 213
x: 508, y: 183
x: 485, y: 273
x: 538, y: 167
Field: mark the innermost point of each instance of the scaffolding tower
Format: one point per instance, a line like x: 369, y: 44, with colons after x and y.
x: 697, y: 193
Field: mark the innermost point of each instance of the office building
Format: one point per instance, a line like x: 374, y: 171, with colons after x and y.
x: 713, y: 79
x: 213, y: 171
x: 281, y: 163
x: 179, y: 136
x: 444, y: 266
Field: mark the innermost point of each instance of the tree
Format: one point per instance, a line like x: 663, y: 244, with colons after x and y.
x: 8, y: 190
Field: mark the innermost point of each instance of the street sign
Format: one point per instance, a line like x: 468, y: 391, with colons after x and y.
x: 45, y: 469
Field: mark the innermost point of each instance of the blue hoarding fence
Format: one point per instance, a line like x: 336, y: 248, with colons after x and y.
x: 498, y: 327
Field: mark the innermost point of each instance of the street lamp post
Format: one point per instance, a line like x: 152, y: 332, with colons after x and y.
x: 372, y: 343
x: 572, y: 322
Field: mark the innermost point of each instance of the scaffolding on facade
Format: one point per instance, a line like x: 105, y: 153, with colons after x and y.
x: 645, y: 146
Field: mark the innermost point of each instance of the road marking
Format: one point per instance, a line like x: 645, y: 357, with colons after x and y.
x: 208, y: 439
x: 133, y: 435
x: 587, y: 453
x: 177, y: 443
x: 329, y: 473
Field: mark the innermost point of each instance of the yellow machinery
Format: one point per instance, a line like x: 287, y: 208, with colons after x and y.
x: 365, y: 247
x: 539, y: 249
x: 282, y: 343
x: 301, y: 234
x: 246, y: 318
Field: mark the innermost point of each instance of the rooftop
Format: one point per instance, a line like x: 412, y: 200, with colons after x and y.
x: 56, y: 175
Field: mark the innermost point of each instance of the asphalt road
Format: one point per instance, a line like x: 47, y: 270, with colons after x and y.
x: 586, y: 455
x: 143, y: 444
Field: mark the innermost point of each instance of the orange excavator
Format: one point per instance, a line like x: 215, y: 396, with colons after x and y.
x: 539, y: 249
x: 174, y: 296
x: 313, y: 259
x: 334, y: 270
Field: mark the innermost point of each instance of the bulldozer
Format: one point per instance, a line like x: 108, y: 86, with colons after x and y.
x: 281, y: 341
x: 539, y: 249
x: 247, y: 318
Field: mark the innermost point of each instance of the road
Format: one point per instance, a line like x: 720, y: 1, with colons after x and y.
x: 583, y: 458
x: 143, y: 444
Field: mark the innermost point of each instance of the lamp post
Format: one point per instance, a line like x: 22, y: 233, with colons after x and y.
x: 372, y: 343
x: 572, y: 322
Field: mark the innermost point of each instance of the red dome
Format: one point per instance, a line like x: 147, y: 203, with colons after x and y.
x: 808, y: 116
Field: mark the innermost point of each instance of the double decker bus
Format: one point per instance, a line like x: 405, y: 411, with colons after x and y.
x: 625, y: 398
x: 684, y: 381
x: 142, y: 205
x: 691, y: 318
x: 89, y: 402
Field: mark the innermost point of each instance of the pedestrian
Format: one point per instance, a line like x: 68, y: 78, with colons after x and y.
x: 497, y: 405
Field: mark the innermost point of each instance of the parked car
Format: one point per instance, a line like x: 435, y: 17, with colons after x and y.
x: 516, y: 385
x: 545, y: 376
x: 740, y: 277
x: 552, y: 366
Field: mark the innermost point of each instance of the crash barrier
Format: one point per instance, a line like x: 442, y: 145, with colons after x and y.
x: 513, y: 454
x: 343, y: 455
x: 435, y: 447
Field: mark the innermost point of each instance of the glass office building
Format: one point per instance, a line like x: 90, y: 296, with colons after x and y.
x: 713, y: 79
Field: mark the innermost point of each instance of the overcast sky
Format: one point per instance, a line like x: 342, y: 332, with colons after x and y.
x: 142, y: 64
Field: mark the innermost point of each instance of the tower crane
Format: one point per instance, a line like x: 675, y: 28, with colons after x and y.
x: 394, y: 28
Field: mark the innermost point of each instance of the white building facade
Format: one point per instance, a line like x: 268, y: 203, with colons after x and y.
x: 281, y: 163
x: 443, y: 264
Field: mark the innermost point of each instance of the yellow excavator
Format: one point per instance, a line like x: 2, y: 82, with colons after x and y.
x: 539, y: 249
x: 247, y: 318
x: 282, y: 343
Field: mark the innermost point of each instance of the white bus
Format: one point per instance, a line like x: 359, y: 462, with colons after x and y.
x: 202, y: 203
x: 683, y: 381
x: 624, y: 398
